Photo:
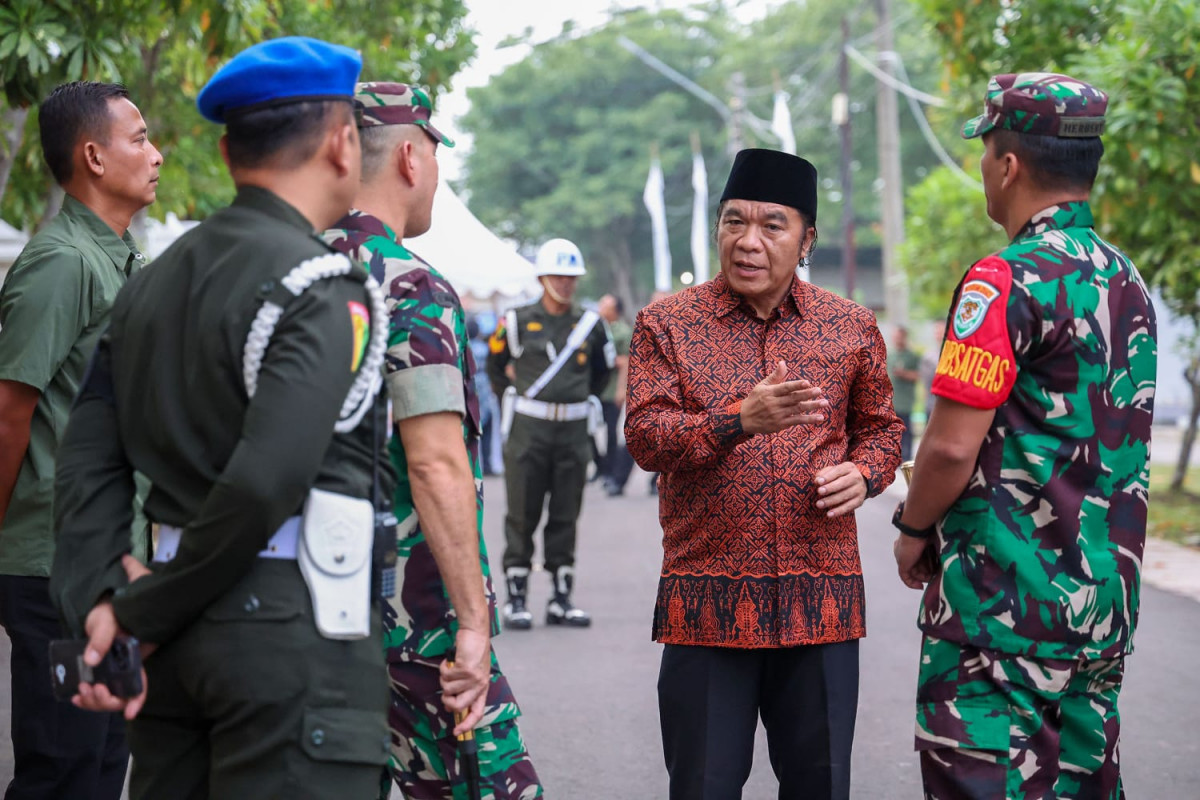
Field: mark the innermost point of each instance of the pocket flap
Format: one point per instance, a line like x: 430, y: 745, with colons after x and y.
x: 975, y: 726
x: 349, y: 735
x: 339, y: 532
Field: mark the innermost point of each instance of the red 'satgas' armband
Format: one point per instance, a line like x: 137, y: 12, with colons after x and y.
x: 977, y: 367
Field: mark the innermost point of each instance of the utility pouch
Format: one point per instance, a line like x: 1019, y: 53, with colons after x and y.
x: 337, y: 538
x: 595, y: 416
x: 507, y: 409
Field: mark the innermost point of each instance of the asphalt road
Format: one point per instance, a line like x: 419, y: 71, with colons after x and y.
x: 590, y: 710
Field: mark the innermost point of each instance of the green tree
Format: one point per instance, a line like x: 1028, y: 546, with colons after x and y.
x: 562, y: 140
x: 165, y: 51
x: 1149, y: 187
x: 561, y: 144
x: 800, y: 43
x: 1146, y: 55
x: 947, y: 231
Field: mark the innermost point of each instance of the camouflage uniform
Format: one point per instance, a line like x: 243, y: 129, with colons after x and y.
x: 1033, y: 610
x: 430, y: 369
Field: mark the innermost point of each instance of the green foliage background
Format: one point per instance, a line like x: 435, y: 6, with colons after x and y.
x: 165, y: 50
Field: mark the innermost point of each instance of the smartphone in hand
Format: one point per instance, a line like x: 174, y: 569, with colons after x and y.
x: 120, y: 670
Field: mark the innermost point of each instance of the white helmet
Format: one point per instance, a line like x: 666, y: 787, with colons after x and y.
x: 559, y: 257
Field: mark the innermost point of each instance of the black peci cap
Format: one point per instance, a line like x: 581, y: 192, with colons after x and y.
x: 771, y: 176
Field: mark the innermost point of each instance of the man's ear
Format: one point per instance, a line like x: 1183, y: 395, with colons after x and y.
x: 223, y: 145
x: 342, y: 148
x: 93, y: 158
x: 406, y: 162
x: 1012, y: 169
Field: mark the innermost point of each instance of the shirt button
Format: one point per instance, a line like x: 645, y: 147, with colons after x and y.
x: 318, y: 737
x: 251, y: 605
x: 139, y: 256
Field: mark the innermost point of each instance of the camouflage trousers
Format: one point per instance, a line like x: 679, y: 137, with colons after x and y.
x: 992, y: 725
x: 424, y: 760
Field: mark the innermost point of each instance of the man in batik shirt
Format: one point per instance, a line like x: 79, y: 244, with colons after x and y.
x: 440, y: 623
x: 1027, y: 511
x: 764, y: 401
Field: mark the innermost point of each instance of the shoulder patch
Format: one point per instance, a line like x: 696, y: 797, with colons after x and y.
x: 360, y: 322
x: 973, y: 302
x: 977, y: 367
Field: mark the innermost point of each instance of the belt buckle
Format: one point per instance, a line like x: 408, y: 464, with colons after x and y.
x: 559, y: 412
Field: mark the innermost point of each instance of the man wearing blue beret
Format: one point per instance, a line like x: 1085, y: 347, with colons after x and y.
x: 241, y: 375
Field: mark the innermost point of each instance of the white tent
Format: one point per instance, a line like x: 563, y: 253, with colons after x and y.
x: 12, y: 242
x: 475, y: 261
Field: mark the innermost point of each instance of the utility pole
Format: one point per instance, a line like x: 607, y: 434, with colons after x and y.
x: 737, y: 107
x: 841, y: 118
x: 887, y: 115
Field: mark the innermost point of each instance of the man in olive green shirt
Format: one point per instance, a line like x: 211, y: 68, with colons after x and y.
x: 54, y: 304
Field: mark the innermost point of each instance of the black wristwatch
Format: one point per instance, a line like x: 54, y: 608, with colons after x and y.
x: 908, y: 530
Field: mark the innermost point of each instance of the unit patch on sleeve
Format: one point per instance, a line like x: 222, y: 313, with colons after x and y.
x: 360, y: 321
x: 976, y: 367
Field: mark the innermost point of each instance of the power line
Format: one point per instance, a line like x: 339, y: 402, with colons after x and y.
x: 927, y: 130
x: 888, y: 80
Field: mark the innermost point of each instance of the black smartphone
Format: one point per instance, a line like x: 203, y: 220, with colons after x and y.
x: 120, y: 670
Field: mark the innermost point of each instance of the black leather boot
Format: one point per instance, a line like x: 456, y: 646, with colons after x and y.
x: 516, y: 616
x: 559, y: 610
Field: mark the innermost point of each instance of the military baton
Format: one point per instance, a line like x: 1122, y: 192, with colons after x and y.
x: 468, y: 755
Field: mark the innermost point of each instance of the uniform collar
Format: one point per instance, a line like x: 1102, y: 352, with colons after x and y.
x: 1076, y: 214
x: 271, y: 204
x: 123, y: 250
x: 363, y: 222
x: 728, y: 301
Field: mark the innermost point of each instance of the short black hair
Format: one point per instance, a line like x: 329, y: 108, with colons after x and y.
x: 295, y: 131
x: 1058, y: 164
x: 619, y: 305
x: 72, y: 111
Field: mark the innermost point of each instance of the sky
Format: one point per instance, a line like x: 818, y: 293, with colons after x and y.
x: 496, y: 20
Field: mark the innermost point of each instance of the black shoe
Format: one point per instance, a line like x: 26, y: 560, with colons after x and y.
x: 612, y: 490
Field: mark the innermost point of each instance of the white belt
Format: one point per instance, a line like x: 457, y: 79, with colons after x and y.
x: 557, y: 412
x: 282, y: 545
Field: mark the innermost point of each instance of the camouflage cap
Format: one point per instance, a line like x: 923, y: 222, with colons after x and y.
x: 1042, y: 104
x: 396, y: 104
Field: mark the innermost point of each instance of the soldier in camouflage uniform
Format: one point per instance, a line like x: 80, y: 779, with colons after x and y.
x: 444, y: 601
x: 549, y: 360
x: 1027, y: 509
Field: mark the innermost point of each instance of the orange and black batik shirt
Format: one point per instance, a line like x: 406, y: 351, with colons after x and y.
x: 748, y: 558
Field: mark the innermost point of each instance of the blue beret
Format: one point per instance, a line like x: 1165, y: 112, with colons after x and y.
x: 281, y: 71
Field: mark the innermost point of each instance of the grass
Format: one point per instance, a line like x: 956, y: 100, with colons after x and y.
x: 1174, y: 516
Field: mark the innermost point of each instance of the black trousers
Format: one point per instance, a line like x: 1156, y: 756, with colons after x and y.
x: 711, y: 698
x: 59, y: 750
x: 617, y: 463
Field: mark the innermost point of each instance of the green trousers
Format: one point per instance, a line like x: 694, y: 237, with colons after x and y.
x: 251, y: 702
x: 544, y: 459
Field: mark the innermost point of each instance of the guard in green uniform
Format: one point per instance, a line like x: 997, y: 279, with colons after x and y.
x: 240, y: 375
x: 548, y: 361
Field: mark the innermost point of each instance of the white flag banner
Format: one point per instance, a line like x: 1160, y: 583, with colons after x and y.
x: 781, y: 124
x: 657, y: 206
x: 699, y: 218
